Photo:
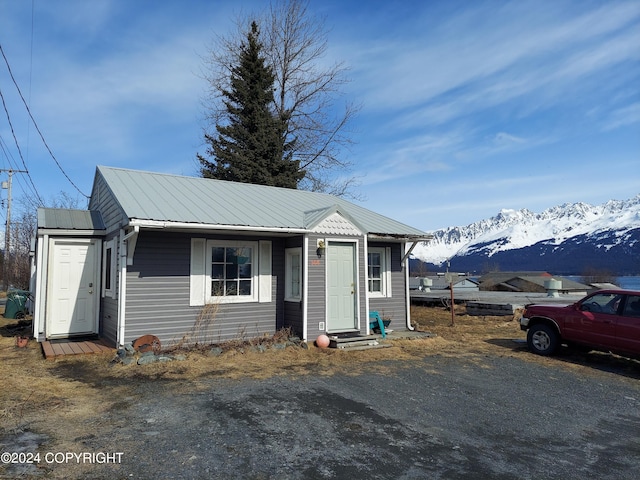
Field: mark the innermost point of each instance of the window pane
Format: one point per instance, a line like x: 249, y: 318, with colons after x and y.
x: 244, y: 270
x: 231, y: 271
x: 231, y: 287
x: 295, y: 276
x: 232, y: 256
x: 107, y: 266
x: 217, y: 271
x: 245, y: 287
x: 632, y: 308
x: 217, y: 288
x: 217, y: 254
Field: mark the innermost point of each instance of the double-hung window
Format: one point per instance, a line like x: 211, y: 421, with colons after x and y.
x: 379, y: 271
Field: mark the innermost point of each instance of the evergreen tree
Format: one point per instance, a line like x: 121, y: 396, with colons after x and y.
x: 251, y: 146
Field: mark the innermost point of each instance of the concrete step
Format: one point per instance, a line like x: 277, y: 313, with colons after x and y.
x: 359, y: 342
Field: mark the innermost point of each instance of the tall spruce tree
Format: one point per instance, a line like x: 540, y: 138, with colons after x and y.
x: 251, y: 146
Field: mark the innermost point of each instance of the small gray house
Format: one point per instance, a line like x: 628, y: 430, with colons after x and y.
x: 173, y: 256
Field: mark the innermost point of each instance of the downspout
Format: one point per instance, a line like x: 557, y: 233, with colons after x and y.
x: 122, y: 281
x: 407, y: 294
x: 366, y: 286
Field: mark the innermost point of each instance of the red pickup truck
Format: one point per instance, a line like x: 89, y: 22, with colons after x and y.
x: 607, y: 320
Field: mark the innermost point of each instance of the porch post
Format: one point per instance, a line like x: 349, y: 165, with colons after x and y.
x: 122, y: 288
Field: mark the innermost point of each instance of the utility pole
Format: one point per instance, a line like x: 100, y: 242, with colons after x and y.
x: 7, y: 232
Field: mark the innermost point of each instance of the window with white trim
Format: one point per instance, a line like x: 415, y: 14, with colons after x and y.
x: 228, y: 271
x: 293, y: 274
x: 379, y: 271
x: 232, y: 271
x: 109, y: 268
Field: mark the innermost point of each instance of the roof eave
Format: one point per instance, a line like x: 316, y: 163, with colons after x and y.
x: 204, y: 227
x: 408, y: 237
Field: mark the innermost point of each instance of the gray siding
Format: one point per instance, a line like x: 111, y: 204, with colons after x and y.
x: 394, y: 307
x: 157, y: 300
x: 293, y: 311
x: 316, y: 301
x: 109, y: 320
x: 114, y: 219
x: 103, y: 201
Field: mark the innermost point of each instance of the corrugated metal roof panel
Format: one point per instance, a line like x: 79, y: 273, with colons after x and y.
x: 173, y: 198
x: 68, y: 219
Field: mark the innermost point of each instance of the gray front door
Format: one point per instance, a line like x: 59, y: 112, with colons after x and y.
x: 341, y: 287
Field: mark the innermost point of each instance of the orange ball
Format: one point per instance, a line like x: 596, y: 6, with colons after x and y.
x: 322, y: 341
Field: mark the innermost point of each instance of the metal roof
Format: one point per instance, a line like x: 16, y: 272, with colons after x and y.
x: 194, y: 200
x: 68, y: 219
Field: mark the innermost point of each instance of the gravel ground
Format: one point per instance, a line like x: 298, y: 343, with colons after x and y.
x: 440, y: 417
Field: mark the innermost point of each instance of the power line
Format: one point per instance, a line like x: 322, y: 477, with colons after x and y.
x: 36, y: 125
x: 18, y: 147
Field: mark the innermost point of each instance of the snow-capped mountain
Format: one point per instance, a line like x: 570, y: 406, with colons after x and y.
x: 564, y: 239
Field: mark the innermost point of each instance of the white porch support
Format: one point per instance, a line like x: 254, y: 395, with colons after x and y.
x: 305, y: 289
x: 407, y: 293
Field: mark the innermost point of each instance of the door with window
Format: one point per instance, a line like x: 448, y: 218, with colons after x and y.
x: 342, y: 287
x: 72, y: 299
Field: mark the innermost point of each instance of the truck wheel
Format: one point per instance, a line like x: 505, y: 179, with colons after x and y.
x: 542, y: 339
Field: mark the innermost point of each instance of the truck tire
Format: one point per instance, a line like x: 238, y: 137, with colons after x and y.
x: 542, y: 339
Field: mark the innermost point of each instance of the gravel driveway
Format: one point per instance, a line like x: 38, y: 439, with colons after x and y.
x: 440, y: 417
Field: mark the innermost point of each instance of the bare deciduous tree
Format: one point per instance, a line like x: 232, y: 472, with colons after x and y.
x: 307, y: 92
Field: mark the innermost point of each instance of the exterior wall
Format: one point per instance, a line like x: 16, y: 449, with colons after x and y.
x: 394, y: 307
x: 293, y: 311
x: 114, y: 219
x: 157, y: 297
x: 317, y: 302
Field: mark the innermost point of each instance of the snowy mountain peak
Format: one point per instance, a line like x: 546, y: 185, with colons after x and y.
x: 511, y: 229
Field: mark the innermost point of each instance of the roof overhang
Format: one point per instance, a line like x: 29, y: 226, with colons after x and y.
x: 206, y: 227
x: 65, y: 232
x: 403, y: 237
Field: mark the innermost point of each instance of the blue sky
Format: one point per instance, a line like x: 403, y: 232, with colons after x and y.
x: 467, y: 107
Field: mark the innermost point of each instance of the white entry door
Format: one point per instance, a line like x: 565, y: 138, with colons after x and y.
x: 342, y: 289
x: 72, y: 298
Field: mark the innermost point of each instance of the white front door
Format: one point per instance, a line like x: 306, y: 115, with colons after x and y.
x: 72, y: 298
x: 341, y: 287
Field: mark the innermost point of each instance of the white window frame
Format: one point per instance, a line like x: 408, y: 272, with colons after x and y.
x: 109, y: 290
x: 200, y: 272
x: 255, y: 266
x: 290, y: 253
x: 385, y: 272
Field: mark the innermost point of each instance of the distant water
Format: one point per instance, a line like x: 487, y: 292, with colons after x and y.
x: 628, y: 283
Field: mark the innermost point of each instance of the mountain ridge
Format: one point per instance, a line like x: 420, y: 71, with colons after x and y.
x: 567, y: 238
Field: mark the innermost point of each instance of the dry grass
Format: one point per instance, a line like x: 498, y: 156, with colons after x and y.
x: 75, y: 386
x: 67, y: 398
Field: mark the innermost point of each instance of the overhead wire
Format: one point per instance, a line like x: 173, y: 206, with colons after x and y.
x: 35, y: 124
x: 35, y: 190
